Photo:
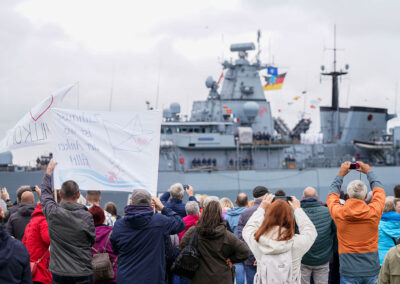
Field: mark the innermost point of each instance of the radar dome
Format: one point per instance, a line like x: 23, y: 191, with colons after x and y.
x: 250, y: 109
x: 210, y: 82
x: 175, y: 108
x: 167, y: 113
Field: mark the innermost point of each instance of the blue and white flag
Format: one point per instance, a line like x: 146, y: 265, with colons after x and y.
x: 272, y: 71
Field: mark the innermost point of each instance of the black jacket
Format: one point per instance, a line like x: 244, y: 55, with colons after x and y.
x: 19, y: 219
x: 72, y: 234
x: 215, y: 248
x: 14, y: 260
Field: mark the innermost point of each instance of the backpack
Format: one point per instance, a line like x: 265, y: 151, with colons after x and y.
x: 188, y: 260
x: 275, y: 269
x: 103, y: 269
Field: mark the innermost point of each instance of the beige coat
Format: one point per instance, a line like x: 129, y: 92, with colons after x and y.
x: 390, y: 270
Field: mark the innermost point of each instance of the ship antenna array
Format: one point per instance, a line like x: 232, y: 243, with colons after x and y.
x: 335, y: 87
x: 258, y: 45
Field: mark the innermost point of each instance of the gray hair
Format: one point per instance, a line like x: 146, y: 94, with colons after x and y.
x: 192, y: 208
x: 357, y: 189
x: 176, y: 190
x: 140, y: 197
x: 389, y: 204
x: 209, y: 199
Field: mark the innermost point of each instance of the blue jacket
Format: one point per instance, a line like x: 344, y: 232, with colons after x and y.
x: 389, y: 231
x: 139, y: 241
x: 175, y: 204
x: 232, y: 217
x: 14, y: 260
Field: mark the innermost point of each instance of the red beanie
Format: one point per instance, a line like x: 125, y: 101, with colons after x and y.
x: 98, y: 215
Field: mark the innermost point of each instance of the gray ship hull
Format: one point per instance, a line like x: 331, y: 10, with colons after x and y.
x: 229, y: 183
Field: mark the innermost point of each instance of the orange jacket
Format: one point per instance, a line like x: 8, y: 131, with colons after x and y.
x: 357, y: 223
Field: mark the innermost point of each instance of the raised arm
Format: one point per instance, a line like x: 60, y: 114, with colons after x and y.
x: 333, y: 200
x: 164, y: 198
x: 47, y: 199
x: 174, y: 223
x: 254, y: 223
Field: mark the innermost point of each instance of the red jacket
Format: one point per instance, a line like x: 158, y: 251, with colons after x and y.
x: 37, y: 241
x: 190, y: 221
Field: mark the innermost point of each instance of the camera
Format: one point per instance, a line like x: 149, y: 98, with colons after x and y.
x: 285, y: 198
x: 354, y: 166
x: 33, y: 188
x: 185, y: 186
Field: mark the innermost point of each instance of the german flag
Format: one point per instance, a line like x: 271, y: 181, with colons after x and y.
x: 274, y: 82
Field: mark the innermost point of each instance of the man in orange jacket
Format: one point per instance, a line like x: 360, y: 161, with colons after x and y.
x: 357, y: 225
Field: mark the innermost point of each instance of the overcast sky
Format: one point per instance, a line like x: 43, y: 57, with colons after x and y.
x: 46, y: 44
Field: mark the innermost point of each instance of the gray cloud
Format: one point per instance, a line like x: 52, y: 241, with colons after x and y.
x: 37, y: 59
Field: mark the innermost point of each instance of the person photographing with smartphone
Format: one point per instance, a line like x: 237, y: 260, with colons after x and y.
x: 357, y: 224
x: 172, y: 199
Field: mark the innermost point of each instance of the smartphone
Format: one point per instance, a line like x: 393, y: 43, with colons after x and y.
x: 33, y: 188
x: 354, y: 166
x: 285, y: 198
x: 185, y: 186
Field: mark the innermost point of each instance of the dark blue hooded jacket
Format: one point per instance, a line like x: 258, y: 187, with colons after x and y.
x: 176, y: 204
x: 14, y: 260
x: 139, y: 241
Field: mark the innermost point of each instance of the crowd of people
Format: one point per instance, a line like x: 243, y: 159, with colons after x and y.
x: 65, y: 238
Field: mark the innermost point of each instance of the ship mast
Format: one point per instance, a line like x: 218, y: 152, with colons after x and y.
x: 335, y: 90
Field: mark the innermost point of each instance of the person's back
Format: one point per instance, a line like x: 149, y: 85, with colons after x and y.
x: 14, y: 260
x: 316, y: 261
x: 232, y: 216
x: 71, y: 231
x: 19, y: 219
x: 37, y: 241
x: 103, y: 234
x: 389, y: 229
x: 264, y: 236
x: 357, y: 225
x: 250, y: 264
x: 139, y: 240
x: 390, y: 270
x: 215, y: 245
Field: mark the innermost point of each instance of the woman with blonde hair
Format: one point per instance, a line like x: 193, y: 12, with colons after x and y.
x: 273, y: 241
x: 226, y: 205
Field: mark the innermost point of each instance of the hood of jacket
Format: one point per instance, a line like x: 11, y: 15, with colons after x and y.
x: 26, y: 208
x: 355, y: 210
x: 218, y: 232
x: 72, y: 206
x: 390, y: 224
x: 190, y: 220
x: 269, y: 245
x: 138, y: 216
x: 38, y: 211
x: 102, y: 233
x: 235, y: 211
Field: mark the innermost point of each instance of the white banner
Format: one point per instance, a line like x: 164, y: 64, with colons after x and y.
x: 115, y: 151
x: 33, y: 128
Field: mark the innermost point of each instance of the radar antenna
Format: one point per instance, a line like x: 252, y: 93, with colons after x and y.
x: 258, y: 46
x: 335, y: 87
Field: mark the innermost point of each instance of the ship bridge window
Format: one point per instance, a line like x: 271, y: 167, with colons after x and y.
x: 162, y: 130
x: 184, y: 130
x: 178, y: 130
x: 196, y: 130
x: 190, y: 130
x: 169, y: 130
x: 203, y: 130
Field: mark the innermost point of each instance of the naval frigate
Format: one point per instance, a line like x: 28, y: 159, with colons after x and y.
x: 232, y: 142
